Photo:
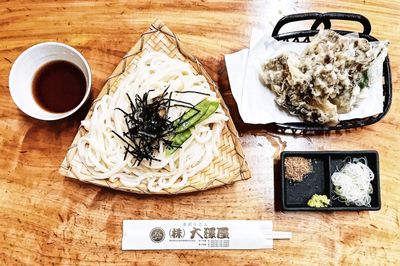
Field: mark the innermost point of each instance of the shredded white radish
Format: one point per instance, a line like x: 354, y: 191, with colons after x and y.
x: 353, y: 182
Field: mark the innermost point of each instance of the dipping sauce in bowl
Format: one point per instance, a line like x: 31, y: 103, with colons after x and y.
x: 59, y: 86
x: 50, y: 81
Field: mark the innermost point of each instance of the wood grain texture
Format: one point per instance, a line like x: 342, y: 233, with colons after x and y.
x: 46, y: 218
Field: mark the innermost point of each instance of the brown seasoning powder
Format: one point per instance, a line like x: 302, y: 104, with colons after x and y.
x: 296, y: 168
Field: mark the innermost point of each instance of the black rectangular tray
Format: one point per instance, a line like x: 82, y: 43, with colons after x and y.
x: 296, y: 194
x: 304, y: 37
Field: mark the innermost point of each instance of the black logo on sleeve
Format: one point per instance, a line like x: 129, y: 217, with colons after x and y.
x: 157, y: 235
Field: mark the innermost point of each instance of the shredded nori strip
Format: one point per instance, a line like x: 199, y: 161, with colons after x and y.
x: 196, y: 92
x: 149, y: 125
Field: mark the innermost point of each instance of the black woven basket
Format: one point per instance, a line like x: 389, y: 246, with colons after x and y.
x: 304, y: 37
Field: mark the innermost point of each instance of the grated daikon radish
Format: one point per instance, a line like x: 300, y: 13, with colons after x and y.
x: 353, y: 182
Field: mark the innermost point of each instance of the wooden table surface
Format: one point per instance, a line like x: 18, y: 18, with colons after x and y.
x: 46, y: 218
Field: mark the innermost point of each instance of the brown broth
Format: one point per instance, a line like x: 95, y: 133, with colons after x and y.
x: 59, y: 86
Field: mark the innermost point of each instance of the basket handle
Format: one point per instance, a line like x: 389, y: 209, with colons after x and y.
x: 318, y: 17
x: 324, y: 18
x: 350, y: 17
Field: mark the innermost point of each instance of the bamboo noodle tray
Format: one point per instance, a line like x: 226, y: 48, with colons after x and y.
x: 228, y: 165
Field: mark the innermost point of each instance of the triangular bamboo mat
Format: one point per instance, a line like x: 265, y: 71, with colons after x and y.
x: 227, y: 167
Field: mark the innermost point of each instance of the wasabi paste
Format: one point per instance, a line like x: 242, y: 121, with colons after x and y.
x: 318, y: 201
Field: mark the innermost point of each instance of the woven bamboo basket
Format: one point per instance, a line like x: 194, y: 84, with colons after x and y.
x: 227, y: 167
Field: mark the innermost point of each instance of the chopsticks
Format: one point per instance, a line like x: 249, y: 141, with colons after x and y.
x: 199, y: 234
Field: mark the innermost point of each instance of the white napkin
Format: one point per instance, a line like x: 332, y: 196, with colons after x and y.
x: 256, y: 102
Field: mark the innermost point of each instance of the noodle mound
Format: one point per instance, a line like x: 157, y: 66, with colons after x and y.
x: 103, y: 152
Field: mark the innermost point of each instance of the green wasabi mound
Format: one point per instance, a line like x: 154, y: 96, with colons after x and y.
x: 318, y: 201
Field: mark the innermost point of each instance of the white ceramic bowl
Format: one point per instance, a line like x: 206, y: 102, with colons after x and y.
x: 25, y: 67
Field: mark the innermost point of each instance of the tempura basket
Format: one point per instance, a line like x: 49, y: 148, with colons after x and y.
x: 304, y: 37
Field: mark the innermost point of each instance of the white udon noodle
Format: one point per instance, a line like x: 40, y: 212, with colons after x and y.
x: 102, y: 152
x: 353, y: 182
